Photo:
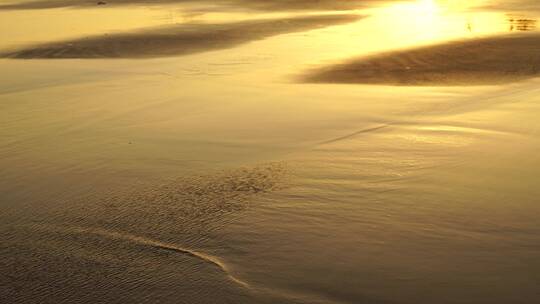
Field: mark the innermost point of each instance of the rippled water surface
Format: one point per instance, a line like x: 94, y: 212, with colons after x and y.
x: 269, y: 151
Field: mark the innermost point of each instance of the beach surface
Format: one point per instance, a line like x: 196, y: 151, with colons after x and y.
x: 274, y: 151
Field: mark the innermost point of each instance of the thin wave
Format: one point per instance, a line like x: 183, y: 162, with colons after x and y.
x: 148, y: 242
x: 348, y: 136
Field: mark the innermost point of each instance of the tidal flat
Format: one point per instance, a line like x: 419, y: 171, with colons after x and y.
x: 278, y: 151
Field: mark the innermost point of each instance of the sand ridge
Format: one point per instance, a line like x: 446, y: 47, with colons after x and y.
x: 177, y: 40
x: 492, y: 60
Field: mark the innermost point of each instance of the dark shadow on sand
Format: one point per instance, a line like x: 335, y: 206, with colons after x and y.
x: 176, y: 40
x: 485, y: 61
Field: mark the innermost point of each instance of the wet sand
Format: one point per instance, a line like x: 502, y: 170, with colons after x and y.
x: 218, y: 177
x: 232, y: 4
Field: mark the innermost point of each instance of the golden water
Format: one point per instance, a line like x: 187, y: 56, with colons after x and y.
x: 305, y: 193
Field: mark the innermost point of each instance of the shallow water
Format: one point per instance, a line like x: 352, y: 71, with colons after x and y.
x: 218, y: 177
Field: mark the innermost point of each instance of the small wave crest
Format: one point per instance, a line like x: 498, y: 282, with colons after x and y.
x: 155, y: 244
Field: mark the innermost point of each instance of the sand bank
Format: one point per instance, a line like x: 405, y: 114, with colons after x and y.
x: 467, y: 62
x: 176, y: 40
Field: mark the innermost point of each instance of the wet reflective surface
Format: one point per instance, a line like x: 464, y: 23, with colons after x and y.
x: 196, y: 158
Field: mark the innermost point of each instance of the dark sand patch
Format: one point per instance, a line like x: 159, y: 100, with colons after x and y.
x: 236, y: 4
x: 177, y: 40
x: 471, y: 62
x: 513, y: 5
x: 191, y: 200
x: 131, y: 244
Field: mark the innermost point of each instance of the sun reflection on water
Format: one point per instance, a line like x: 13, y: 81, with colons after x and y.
x: 432, y: 21
x: 440, y: 20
